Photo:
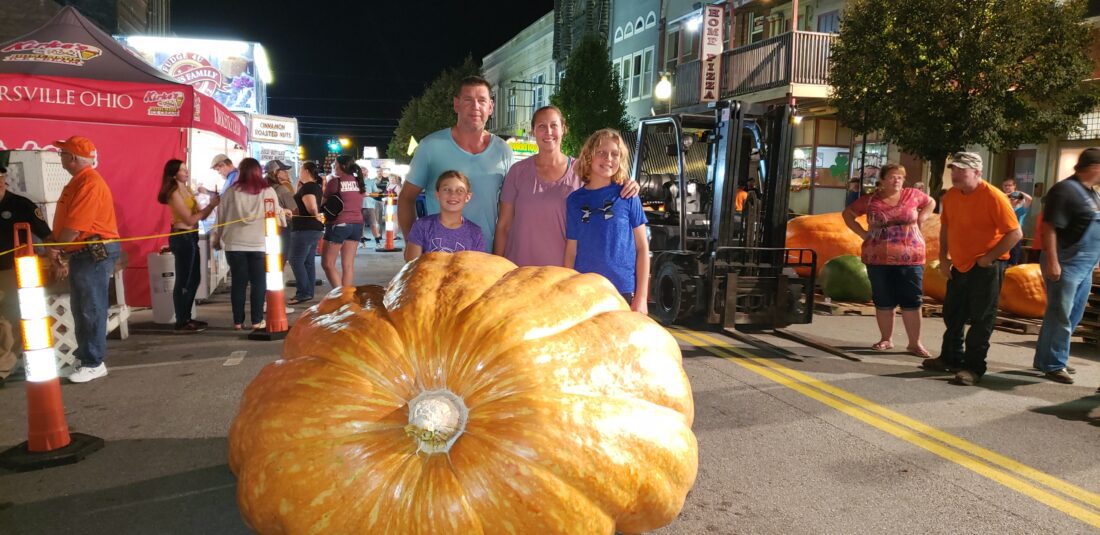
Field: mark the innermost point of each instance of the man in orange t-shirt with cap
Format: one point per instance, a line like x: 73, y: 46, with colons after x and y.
x: 978, y: 228
x: 85, y: 213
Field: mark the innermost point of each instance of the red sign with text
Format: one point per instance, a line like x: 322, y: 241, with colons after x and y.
x: 102, y: 101
x: 711, y: 54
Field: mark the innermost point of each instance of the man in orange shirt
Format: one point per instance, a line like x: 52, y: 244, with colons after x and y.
x: 85, y: 213
x: 978, y: 228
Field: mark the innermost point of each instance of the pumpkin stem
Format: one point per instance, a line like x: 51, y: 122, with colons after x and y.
x: 436, y: 419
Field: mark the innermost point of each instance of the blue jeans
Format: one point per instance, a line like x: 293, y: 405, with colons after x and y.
x: 303, y: 250
x: 89, y: 280
x: 1066, y: 299
x: 185, y: 248
x: 247, y: 268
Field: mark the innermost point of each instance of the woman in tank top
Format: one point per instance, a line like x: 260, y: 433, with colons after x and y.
x: 175, y: 192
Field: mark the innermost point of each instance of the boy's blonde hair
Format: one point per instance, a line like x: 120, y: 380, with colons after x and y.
x: 452, y: 174
x: 584, y: 161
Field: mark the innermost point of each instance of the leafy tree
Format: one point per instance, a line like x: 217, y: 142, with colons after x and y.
x: 937, y: 75
x: 433, y: 110
x: 589, y: 96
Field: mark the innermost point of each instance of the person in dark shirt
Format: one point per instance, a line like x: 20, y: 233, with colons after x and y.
x: 13, y: 209
x: 1071, y: 249
x: 854, y: 192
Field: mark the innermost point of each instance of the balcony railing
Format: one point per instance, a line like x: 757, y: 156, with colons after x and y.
x: 687, y: 83
x: 762, y: 65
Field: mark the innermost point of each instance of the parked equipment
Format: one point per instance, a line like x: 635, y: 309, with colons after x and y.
x: 708, y: 261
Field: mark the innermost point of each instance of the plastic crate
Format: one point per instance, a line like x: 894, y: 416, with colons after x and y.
x: 37, y: 175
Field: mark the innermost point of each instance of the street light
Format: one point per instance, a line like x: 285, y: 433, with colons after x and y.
x: 344, y: 142
x: 663, y: 91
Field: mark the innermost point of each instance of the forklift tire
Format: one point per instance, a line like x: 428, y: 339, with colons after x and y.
x: 673, y: 294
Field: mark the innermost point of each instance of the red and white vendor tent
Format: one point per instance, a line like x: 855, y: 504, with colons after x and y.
x: 71, y: 78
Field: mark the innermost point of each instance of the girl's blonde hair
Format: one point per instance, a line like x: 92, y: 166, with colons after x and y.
x: 452, y: 174
x: 584, y: 161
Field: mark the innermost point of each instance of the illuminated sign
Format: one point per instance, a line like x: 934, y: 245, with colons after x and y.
x: 274, y: 129
x: 711, y: 49
x: 228, y: 71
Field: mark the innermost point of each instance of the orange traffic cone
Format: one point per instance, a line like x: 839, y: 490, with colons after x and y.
x: 391, y: 227
x: 275, y: 316
x: 49, y: 442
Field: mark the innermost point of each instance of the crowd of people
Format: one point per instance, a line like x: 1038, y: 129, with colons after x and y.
x: 583, y: 213
x: 980, y: 235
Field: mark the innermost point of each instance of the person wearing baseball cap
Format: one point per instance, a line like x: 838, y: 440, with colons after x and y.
x: 1070, y: 233
x: 85, y: 213
x: 224, y: 166
x: 978, y: 228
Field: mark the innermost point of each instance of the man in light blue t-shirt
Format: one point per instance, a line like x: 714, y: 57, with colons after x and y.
x: 466, y: 147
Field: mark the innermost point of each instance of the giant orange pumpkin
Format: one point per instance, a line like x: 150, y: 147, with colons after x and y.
x: 827, y: 235
x: 468, y: 397
x: 1023, y: 292
x: 935, y: 284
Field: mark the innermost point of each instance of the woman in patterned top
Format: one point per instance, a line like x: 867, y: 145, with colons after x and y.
x: 893, y: 249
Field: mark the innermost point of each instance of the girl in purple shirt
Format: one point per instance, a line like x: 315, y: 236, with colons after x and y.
x: 446, y: 231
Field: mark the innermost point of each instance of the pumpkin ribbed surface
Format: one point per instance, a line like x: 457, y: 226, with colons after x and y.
x: 1023, y: 292
x: 468, y: 396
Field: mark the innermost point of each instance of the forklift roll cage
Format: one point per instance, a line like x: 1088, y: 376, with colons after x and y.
x: 708, y: 261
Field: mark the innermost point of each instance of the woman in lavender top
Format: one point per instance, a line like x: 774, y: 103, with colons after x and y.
x: 446, y: 231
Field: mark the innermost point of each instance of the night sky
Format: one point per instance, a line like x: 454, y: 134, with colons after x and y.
x: 348, y: 68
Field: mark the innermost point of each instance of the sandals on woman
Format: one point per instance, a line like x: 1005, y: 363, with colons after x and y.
x: 919, y: 352
x: 883, y: 345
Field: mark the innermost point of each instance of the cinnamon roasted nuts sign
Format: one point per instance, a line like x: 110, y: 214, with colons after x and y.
x: 274, y: 130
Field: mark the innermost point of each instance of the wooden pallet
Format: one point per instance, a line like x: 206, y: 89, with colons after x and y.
x: 1004, y: 321
x: 842, y: 308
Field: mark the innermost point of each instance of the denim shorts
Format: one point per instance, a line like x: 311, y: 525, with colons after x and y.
x: 342, y: 232
x: 894, y: 286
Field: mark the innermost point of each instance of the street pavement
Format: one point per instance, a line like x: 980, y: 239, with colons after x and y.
x: 790, y: 442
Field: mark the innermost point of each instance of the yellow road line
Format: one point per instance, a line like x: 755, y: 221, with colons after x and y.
x: 909, y: 430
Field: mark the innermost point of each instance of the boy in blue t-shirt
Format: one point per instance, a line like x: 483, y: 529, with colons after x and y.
x: 605, y: 233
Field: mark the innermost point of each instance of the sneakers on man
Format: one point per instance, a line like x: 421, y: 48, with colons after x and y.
x: 84, y: 374
x: 936, y: 365
x: 1060, y: 376
x: 965, y: 378
x: 1069, y: 369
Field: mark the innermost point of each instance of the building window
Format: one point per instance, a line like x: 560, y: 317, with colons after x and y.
x: 540, y: 91
x: 829, y: 22
x: 618, y: 34
x: 636, y: 77
x: 639, y: 25
x: 512, y: 108
x: 690, y: 49
x: 628, y: 31
x: 624, y: 79
x: 672, y: 49
x: 647, y: 72
x: 777, y: 24
x: 651, y: 20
